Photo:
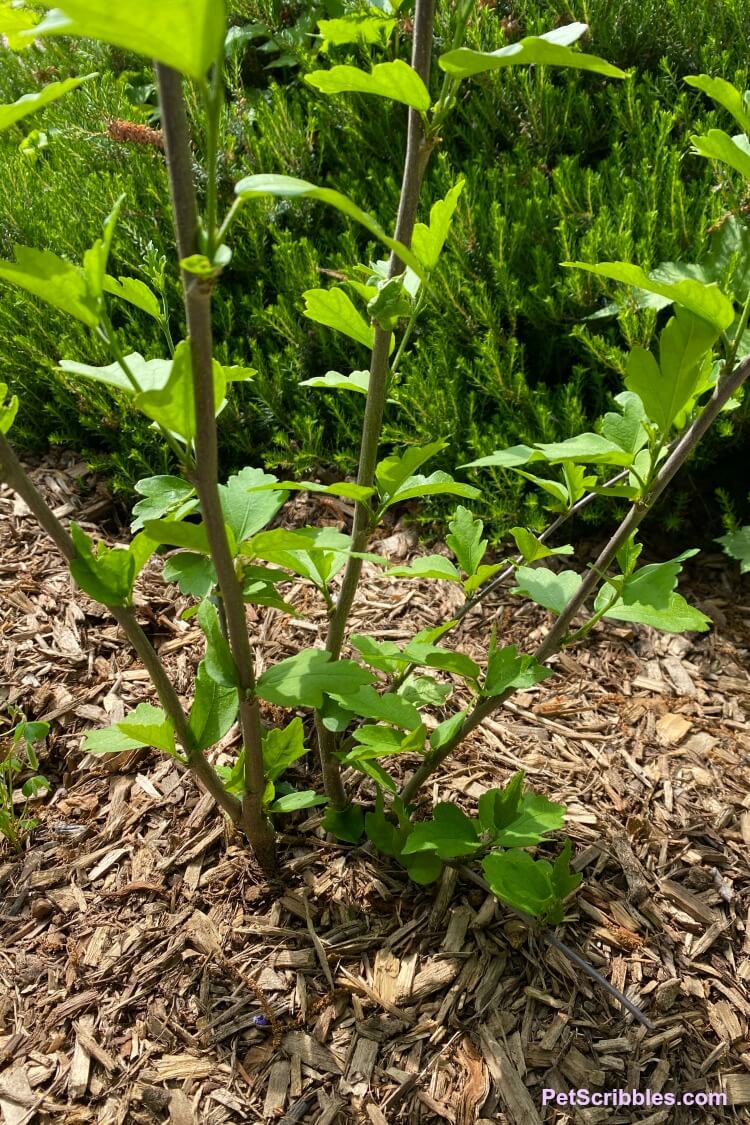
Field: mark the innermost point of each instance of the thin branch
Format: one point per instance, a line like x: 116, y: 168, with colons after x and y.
x: 418, y: 149
x: 197, y: 298
x: 15, y: 475
x: 551, y: 939
x: 557, y: 635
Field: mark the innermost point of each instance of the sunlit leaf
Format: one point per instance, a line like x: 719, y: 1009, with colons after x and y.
x: 395, y: 80
x: 550, y: 49
x: 30, y: 103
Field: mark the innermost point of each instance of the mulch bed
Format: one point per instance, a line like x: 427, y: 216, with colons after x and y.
x: 149, y: 974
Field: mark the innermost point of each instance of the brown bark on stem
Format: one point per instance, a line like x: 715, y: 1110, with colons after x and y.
x: 418, y: 149
x: 197, y: 299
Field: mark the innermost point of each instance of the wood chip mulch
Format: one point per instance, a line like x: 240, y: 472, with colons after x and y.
x: 148, y: 974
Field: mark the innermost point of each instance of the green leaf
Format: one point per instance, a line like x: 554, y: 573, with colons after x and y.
x: 550, y: 49
x: 387, y: 837
x: 358, y: 381
x: 300, y: 799
x: 668, y: 388
x: 706, y: 301
x: 626, y: 429
x: 534, y: 549
x: 500, y: 807
x: 288, y: 187
x: 149, y: 374
x: 425, y: 566
x: 184, y: 34
x: 423, y: 868
x: 374, y: 770
x: 561, y: 499
x: 8, y: 409
x: 446, y: 731
x: 394, y: 80
x: 194, y: 574
x: 389, y: 303
x: 377, y: 741
x: 173, y: 405
x: 368, y: 704
x: 213, y: 712
x: 436, y: 484
x: 96, y: 257
x: 334, y: 308
x: 507, y: 669
x: 218, y: 661
x: 433, y: 656
x: 384, y: 655
x: 136, y: 293
x: 718, y: 145
x: 345, y: 488
x: 54, y: 280
x: 149, y: 725
x: 450, y: 834
x: 14, y: 21
x: 364, y: 30
x: 524, y: 883
x: 736, y: 544
x: 345, y: 824
x: 653, y: 584
x: 163, y: 495
x: 465, y: 539
x: 509, y: 458
x: 547, y: 588
x: 106, y: 576
x: 110, y: 740
x: 535, y: 817
x: 246, y: 506
x: 591, y: 449
x: 676, y: 617
x: 393, y: 472
x: 725, y: 94
x: 564, y: 881
x: 174, y: 533
x: 30, y: 103
x: 303, y: 679
x: 428, y: 240
x: 282, y: 746
x: 424, y: 691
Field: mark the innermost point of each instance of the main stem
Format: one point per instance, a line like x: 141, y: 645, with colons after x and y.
x: 557, y: 635
x: 197, y: 300
x: 13, y: 472
x: 418, y: 149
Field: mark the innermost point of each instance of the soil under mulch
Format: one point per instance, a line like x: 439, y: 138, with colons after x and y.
x: 149, y: 974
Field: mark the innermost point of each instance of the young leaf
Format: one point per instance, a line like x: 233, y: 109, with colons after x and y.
x: 534, y: 549
x: 725, y: 94
x: 465, y: 540
x: 394, y: 80
x: 436, y: 484
x: 299, y: 799
x: 30, y: 103
x: 423, y: 868
x: 384, y: 655
x: 246, y: 506
x: 550, y: 49
x: 521, y: 881
x: 507, y: 669
x: 163, y: 495
x: 509, y: 458
x: 176, y: 533
x: 428, y: 240
x: 282, y: 746
x: 433, y: 656
x: 547, y: 588
x: 54, y: 280
x: 535, y: 817
x: 425, y: 566
x: 334, y: 308
x: 676, y: 617
x: 591, y: 449
x: 358, y: 381
x: 446, y: 731
x: 303, y: 679
x: 388, y: 838
x: 374, y: 770
x: 287, y: 187
x: 564, y: 881
x: 373, y: 29
x: 626, y: 429
x: 424, y: 691
x: 106, y: 576
x: 8, y: 409
x: 368, y: 704
x: 500, y: 807
x: 706, y: 301
x: 737, y: 545
x: 718, y: 145
x: 214, y: 710
x: 151, y: 726
x: 218, y: 661
x: 110, y: 740
x: 378, y: 741
x: 653, y: 584
x: 184, y: 34
x: 173, y: 405
x: 149, y: 374
x: 136, y: 293
x: 345, y: 824
x: 450, y: 834
x: 194, y: 574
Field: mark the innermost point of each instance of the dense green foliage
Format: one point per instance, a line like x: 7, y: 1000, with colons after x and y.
x: 558, y: 166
